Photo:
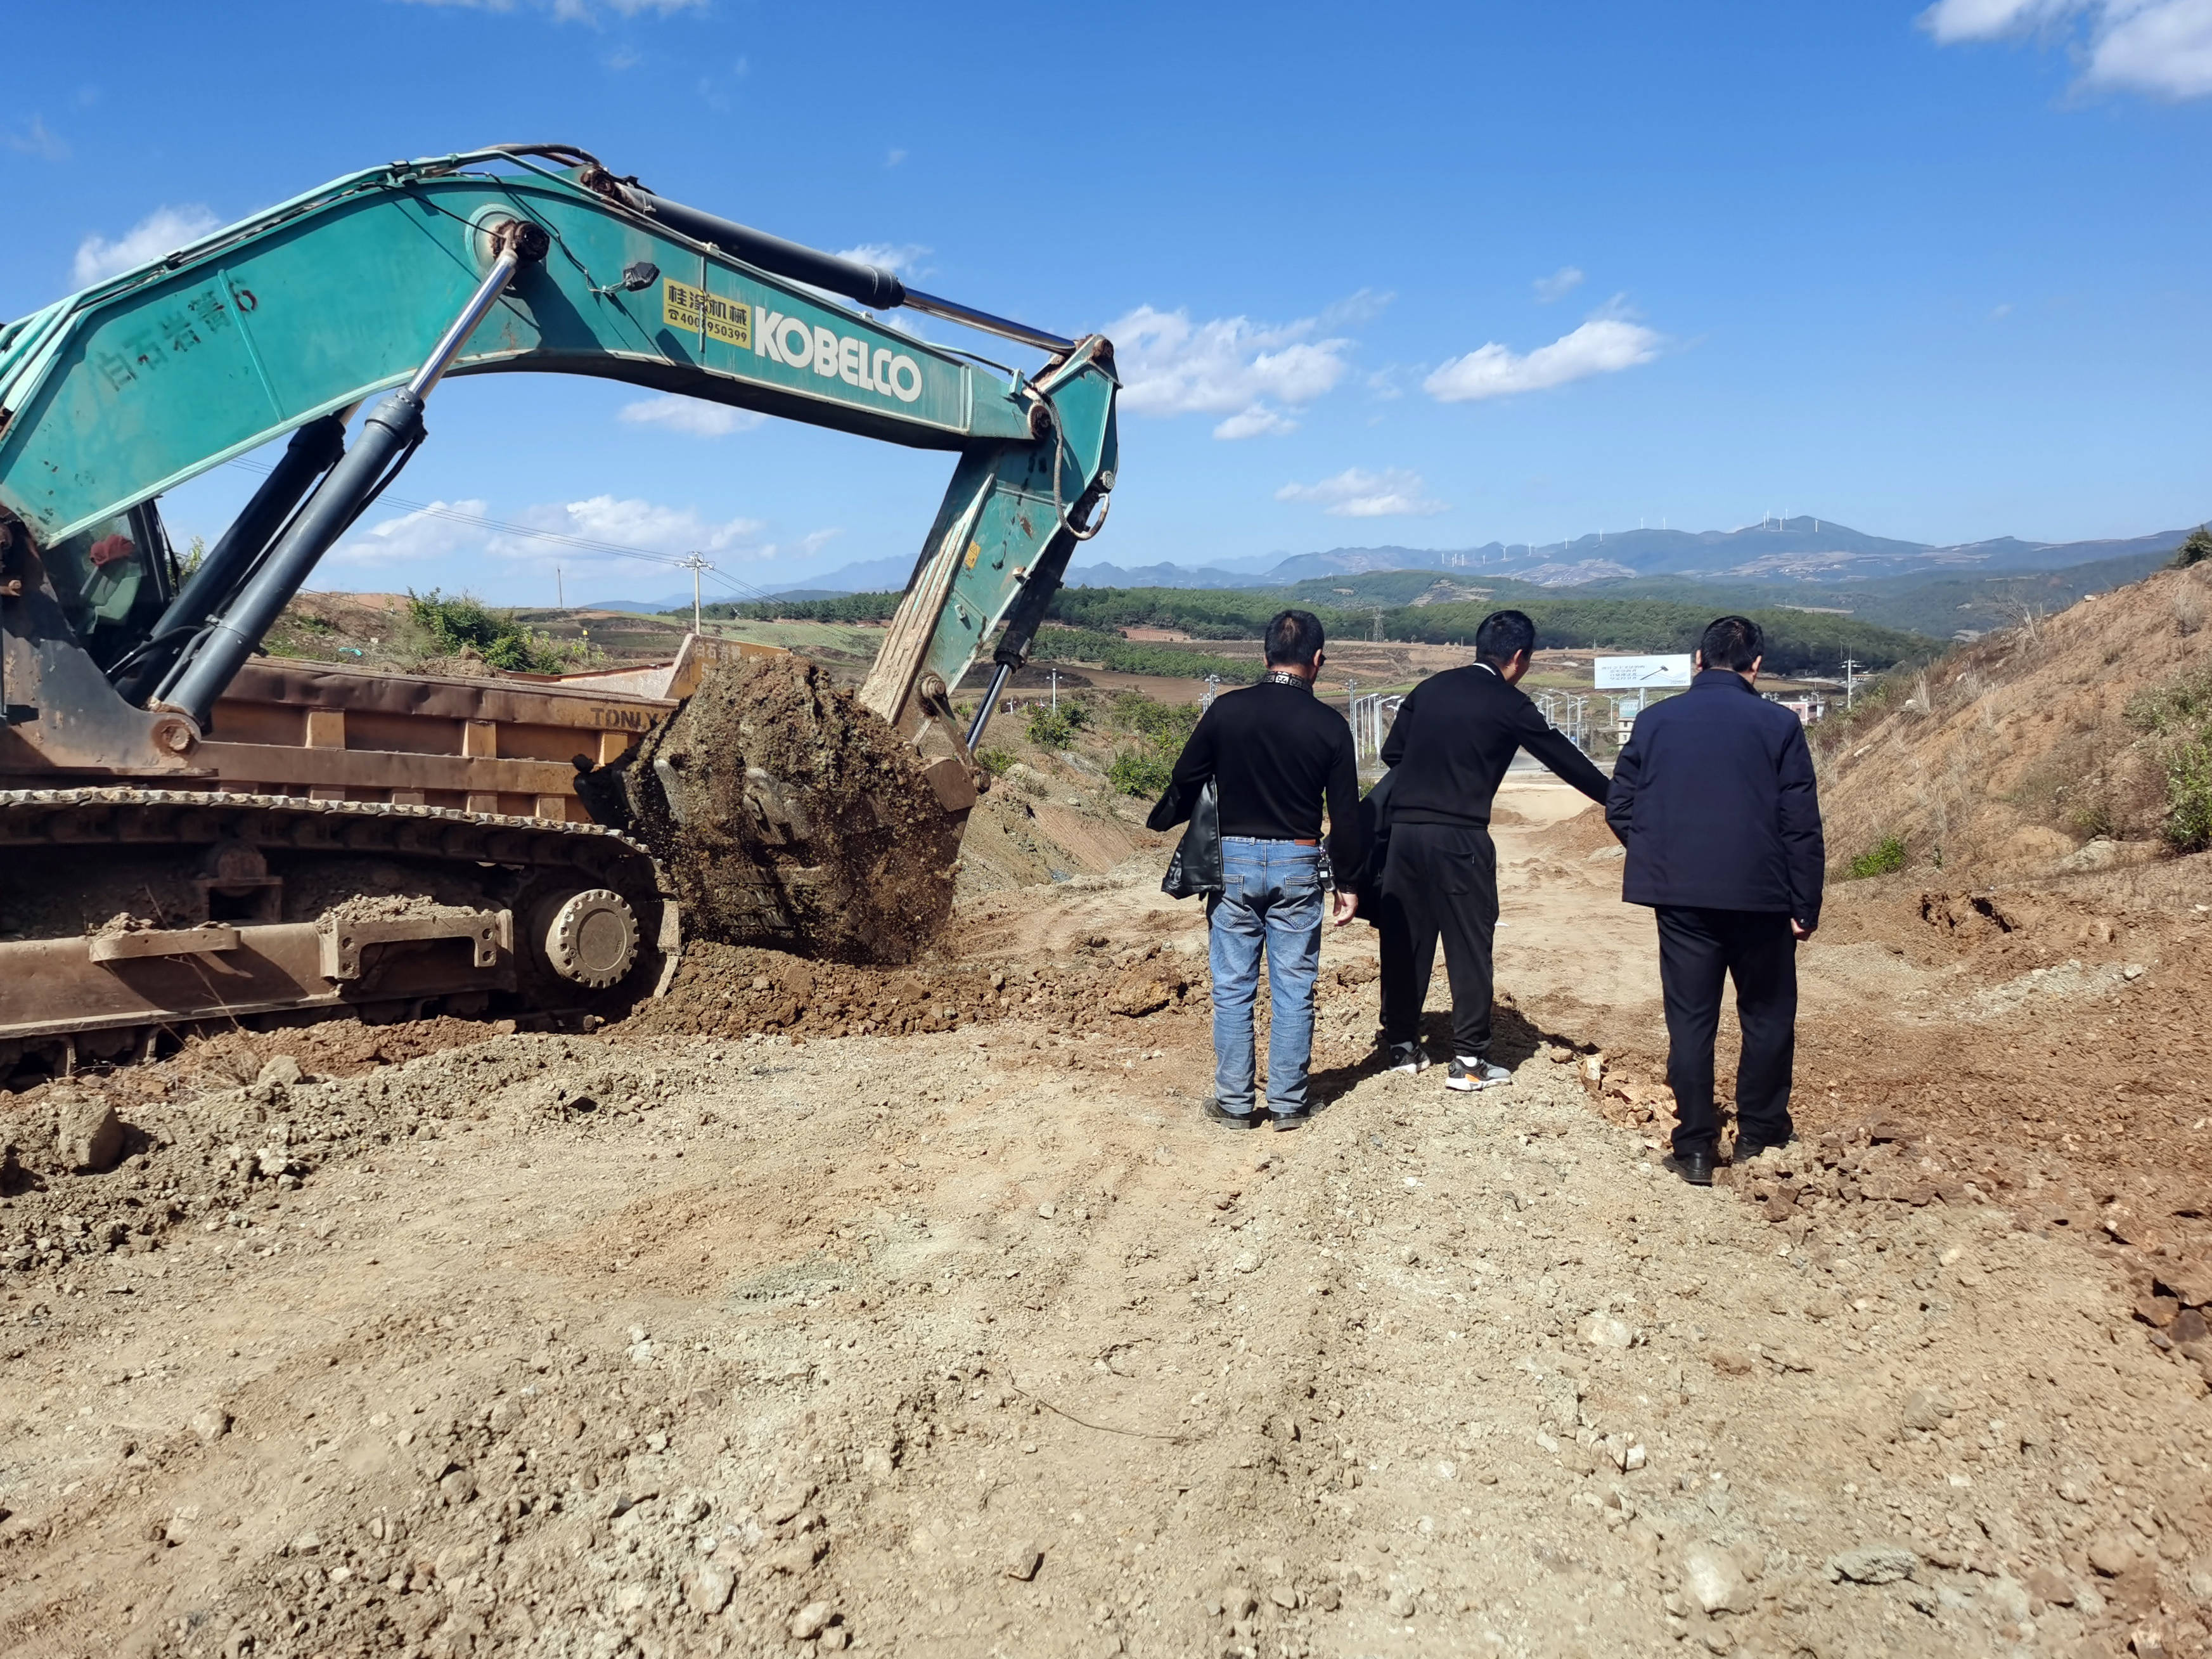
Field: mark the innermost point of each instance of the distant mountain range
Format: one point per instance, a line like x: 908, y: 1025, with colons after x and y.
x: 1799, y: 553
x: 1787, y: 551
x: 1782, y: 551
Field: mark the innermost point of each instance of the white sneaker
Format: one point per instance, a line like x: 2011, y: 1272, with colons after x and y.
x: 1468, y: 1075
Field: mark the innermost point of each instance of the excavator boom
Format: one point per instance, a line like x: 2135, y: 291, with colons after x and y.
x: 303, y: 312
x: 189, y: 837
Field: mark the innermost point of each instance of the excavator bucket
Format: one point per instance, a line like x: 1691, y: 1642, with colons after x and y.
x: 784, y: 813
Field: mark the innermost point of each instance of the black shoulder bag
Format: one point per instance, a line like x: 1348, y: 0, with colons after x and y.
x: 1196, y: 866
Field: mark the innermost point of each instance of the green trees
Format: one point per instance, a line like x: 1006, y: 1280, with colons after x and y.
x: 1139, y: 656
x: 1798, y: 642
x: 1055, y: 728
x: 2177, y: 719
x: 1161, y: 729
x: 462, y: 625
x: 839, y: 608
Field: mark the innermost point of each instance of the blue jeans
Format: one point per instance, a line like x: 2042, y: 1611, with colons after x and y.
x: 1271, y: 902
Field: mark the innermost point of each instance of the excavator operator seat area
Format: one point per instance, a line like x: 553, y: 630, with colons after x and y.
x: 112, y: 581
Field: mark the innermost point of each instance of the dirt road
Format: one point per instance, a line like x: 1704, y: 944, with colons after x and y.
x: 973, y: 1342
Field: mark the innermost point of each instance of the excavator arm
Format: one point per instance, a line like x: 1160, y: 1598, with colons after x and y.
x: 509, y: 260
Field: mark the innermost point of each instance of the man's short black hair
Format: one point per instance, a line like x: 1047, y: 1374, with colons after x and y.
x: 1734, y: 642
x: 1293, y: 639
x: 1503, y: 635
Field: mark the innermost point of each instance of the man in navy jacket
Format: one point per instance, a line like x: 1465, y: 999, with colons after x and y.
x: 1715, y: 800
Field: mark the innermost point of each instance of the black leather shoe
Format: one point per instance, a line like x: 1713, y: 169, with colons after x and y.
x: 1292, y: 1119
x: 1696, y: 1167
x: 1747, y: 1151
x: 1214, y: 1113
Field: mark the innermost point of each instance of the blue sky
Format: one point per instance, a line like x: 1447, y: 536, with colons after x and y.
x: 1417, y: 274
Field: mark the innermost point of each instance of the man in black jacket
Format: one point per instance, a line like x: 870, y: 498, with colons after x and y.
x: 1275, y: 750
x: 1715, y: 798
x: 1448, y: 747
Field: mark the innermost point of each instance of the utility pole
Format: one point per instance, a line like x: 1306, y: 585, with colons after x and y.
x: 1379, y: 624
x: 1212, y: 685
x: 695, y: 564
x: 1055, y: 673
x: 560, y: 593
x: 1850, y: 684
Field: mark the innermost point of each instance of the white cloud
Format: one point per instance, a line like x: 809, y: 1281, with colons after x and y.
x: 164, y: 230
x: 445, y: 531
x: 36, y: 139
x: 412, y: 537
x: 1357, y: 494
x: 891, y: 256
x: 1603, y: 345
x: 1229, y: 365
x: 1362, y: 306
x: 1556, y: 286
x: 2163, y: 47
x: 1257, y: 422
x: 815, y: 540
x: 892, y: 158
x: 648, y: 525
x: 691, y: 415
x: 1949, y: 20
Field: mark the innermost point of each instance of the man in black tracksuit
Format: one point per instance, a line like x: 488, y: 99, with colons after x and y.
x: 1715, y: 798
x: 1448, y: 747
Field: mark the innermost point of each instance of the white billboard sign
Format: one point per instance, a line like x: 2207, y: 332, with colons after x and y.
x: 1632, y: 673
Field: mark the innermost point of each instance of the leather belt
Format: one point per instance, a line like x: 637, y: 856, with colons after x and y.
x: 1300, y: 841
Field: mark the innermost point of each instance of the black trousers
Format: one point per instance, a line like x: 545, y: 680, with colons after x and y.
x: 1698, y: 949
x: 1439, y: 881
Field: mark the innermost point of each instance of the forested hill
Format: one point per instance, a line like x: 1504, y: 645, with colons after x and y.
x: 1798, y: 642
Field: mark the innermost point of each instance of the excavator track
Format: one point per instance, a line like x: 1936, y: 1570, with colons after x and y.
x: 133, y: 916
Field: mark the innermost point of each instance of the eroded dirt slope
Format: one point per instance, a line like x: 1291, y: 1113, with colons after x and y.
x: 2011, y: 754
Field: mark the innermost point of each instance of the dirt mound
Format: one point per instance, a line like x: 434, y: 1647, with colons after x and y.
x: 2013, y: 752
x: 329, y: 1048
x: 1576, y: 837
x: 221, y: 1129
x: 786, y: 814
x: 722, y: 991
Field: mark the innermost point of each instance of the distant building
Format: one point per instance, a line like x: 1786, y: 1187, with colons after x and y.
x: 1809, y: 707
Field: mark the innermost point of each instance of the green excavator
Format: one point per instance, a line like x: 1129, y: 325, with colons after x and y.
x: 194, y: 834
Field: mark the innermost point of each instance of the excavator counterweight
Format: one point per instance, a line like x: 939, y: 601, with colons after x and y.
x: 528, y: 844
